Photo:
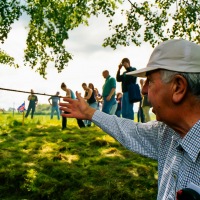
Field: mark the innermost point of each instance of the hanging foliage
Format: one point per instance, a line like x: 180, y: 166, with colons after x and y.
x: 50, y: 21
x: 154, y: 21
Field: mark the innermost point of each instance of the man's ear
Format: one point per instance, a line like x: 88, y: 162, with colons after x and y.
x: 179, y: 88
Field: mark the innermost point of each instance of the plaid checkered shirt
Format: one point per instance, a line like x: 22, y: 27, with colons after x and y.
x: 178, y: 158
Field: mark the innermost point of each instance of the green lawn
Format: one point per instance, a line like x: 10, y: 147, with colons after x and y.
x: 39, y: 161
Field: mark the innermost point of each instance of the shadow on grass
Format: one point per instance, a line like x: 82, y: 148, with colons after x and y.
x: 39, y: 161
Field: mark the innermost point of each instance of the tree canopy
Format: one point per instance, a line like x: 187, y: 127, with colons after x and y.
x: 157, y: 20
x: 50, y: 21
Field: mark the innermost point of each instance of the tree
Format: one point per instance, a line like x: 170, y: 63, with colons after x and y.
x: 43, y: 109
x: 50, y: 20
x: 6, y: 59
x: 154, y: 21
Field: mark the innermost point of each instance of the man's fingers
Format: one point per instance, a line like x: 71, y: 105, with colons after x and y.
x: 64, y: 104
x: 79, y: 97
x: 65, y: 109
x: 69, y: 115
x: 68, y: 99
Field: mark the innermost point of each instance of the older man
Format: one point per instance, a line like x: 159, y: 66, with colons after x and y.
x: 173, y: 88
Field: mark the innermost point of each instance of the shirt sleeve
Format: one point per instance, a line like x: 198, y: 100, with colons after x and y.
x: 112, y: 82
x: 119, y: 77
x: 141, y: 138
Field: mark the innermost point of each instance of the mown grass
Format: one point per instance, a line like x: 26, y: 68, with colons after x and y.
x: 39, y: 161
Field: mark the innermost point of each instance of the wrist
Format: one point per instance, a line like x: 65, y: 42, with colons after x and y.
x: 89, y: 113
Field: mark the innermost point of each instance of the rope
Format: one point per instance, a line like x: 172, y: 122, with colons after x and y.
x: 25, y: 92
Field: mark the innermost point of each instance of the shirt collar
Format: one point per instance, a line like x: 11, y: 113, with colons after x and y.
x: 107, y: 77
x: 191, y: 142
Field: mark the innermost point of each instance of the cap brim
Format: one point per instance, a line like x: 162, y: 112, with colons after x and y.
x: 142, y: 72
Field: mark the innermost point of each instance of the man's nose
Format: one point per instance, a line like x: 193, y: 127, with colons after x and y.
x: 145, y: 88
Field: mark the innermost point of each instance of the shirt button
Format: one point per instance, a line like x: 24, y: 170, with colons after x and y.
x: 174, y: 175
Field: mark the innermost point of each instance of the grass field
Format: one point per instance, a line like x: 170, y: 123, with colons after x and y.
x: 40, y: 161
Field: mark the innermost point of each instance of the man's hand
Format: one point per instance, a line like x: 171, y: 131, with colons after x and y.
x: 108, y: 98
x: 77, y: 108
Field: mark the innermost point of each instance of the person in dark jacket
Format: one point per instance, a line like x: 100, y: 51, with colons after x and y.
x: 127, y: 106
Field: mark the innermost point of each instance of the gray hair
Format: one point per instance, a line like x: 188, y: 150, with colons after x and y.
x: 193, y: 80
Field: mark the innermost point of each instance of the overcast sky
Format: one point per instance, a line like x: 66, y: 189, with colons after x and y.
x: 89, y: 60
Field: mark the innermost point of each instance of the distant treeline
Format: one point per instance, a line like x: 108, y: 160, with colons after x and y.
x: 41, y: 109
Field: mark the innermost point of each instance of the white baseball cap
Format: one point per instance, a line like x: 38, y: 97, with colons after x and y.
x: 177, y: 55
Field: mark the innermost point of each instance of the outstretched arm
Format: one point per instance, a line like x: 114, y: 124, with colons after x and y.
x: 77, y: 108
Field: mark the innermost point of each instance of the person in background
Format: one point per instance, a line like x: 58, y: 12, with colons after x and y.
x: 91, y: 100
x: 173, y: 87
x: 108, y: 93
x: 69, y: 94
x: 98, y: 97
x: 119, y: 104
x: 54, y: 101
x: 145, y: 104
x: 33, y: 100
x: 127, y: 106
x: 140, y: 114
x: 91, y: 86
x: 113, y: 109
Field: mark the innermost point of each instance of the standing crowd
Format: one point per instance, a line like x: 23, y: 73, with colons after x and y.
x: 110, y: 101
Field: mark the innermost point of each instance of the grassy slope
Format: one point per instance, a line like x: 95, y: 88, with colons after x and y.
x: 39, y: 161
